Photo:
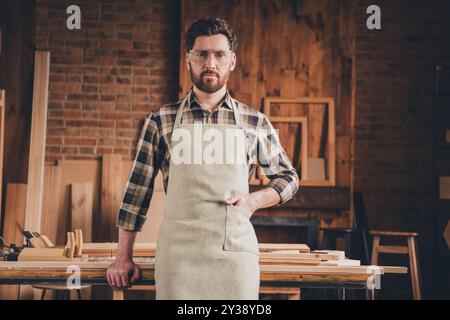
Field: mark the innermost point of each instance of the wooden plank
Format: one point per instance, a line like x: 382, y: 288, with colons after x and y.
x: 392, y: 249
x: 35, y: 184
x: 283, y: 246
x: 54, y: 221
x: 44, y: 268
x: 291, y: 293
x: 80, y: 171
x: 16, y: 75
x: 331, y: 146
x: 341, y: 263
x: 289, y: 255
x: 111, y: 196
x: 110, y: 248
x: 82, y: 209
x: 394, y: 233
x: 43, y: 254
x: 298, y: 269
x: 375, y: 246
x: 47, y: 241
x: 2, y: 139
x: 317, y: 114
x: 14, y: 222
x: 283, y: 261
x: 340, y: 254
x: 14, y: 213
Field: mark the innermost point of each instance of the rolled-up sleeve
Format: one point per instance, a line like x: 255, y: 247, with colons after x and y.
x: 139, y: 190
x: 275, y: 162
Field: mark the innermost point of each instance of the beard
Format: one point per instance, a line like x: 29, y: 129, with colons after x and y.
x: 209, y: 84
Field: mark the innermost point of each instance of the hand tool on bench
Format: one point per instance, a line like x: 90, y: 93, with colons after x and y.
x: 69, y: 250
x: 78, y: 242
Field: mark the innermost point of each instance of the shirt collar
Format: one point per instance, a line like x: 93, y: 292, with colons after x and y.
x: 193, y: 103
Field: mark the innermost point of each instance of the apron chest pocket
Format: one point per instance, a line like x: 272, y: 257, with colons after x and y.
x: 239, y: 232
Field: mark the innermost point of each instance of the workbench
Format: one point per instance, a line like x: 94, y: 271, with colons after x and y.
x: 295, y: 276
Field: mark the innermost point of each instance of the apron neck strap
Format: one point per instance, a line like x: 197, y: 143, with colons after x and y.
x: 188, y: 97
x: 180, y: 109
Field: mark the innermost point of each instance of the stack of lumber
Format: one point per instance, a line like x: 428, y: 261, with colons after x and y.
x: 300, y: 254
x: 270, y: 253
x: 109, y: 249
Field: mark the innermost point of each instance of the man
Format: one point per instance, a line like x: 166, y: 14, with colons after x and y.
x: 207, y: 248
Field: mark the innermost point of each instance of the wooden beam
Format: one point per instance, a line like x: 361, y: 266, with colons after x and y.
x: 82, y: 209
x: 393, y: 249
x: 35, y: 184
x: 59, y: 269
x: 53, y: 220
x: 112, y: 193
x: 14, y: 221
x: 81, y: 171
x: 270, y: 247
x: 14, y: 213
x: 2, y: 139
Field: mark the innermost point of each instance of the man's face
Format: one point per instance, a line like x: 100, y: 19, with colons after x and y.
x: 211, y: 74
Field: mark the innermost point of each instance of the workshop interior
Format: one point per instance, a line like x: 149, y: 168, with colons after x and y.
x: 358, y: 92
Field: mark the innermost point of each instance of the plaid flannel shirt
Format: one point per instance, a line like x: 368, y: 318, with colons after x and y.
x: 153, y: 154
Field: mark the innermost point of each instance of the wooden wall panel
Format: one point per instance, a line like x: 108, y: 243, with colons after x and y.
x: 14, y: 221
x: 82, y: 209
x: 2, y: 132
x: 16, y: 77
x: 79, y: 171
x: 35, y: 183
x: 54, y: 221
x: 111, y: 197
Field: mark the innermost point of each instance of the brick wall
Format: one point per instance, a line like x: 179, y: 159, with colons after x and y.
x: 107, y: 76
x: 394, y: 86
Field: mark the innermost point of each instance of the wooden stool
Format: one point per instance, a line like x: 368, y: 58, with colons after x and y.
x: 60, y: 288
x: 410, y: 249
x: 291, y: 293
x: 120, y: 294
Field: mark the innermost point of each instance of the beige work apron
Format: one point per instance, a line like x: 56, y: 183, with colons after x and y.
x: 206, y: 249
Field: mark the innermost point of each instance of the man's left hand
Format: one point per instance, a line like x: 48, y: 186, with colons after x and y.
x: 248, y: 201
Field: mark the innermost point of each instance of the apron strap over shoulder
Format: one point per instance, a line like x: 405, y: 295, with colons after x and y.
x: 180, y: 110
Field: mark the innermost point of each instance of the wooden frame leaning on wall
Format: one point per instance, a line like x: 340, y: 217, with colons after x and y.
x: 330, y: 148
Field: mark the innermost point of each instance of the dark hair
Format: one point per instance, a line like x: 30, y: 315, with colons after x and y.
x: 209, y: 27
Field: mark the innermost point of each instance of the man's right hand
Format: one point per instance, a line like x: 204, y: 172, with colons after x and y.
x: 122, y: 273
